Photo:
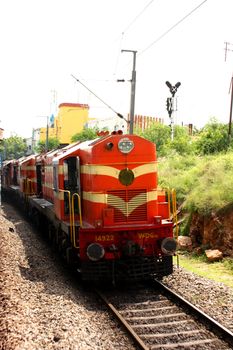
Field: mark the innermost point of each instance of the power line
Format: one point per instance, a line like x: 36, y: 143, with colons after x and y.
x: 126, y: 29
x: 118, y: 114
x: 171, y: 28
x: 118, y: 55
x: 136, y: 18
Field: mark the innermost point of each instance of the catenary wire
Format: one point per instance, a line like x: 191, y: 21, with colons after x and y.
x: 137, y: 17
x: 125, y: 30
x: 171, y: 28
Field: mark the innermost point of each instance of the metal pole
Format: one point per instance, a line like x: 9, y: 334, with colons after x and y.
x: 133, y: 90
x: 172, y: 120
x: 47, y: 135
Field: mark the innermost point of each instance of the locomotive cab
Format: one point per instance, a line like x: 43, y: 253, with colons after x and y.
x: 66, y: 185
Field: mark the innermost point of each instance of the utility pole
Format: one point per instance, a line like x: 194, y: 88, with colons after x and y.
x: 133, y: 89
x: 231, y: 89
x: 227, y: 49
x: 231, y: 105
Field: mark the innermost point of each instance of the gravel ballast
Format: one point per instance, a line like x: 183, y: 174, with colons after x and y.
x: 42, y: 307
x: 215, y: 299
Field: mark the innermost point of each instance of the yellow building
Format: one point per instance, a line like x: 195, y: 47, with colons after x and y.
x: 70, y: 120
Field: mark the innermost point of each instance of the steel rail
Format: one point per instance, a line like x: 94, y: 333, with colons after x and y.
x: 215, y: 326
x: 128, y: 328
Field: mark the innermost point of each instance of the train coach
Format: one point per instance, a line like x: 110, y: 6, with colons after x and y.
x: 100, y: 202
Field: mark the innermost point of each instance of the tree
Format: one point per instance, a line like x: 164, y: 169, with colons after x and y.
x: 13, y: 147
x: 159, y: 134
x: 213, y: 138
x: 53, y: 143
x: 182, y: 142
x: 85, y: 135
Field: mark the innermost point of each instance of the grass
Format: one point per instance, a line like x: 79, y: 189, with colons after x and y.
x: 221, y: 271
x: 202, y: 184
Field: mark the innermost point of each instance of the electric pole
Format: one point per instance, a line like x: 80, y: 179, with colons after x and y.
x: 230, y: 90
x: 133, y: 89
x: 231, y: 105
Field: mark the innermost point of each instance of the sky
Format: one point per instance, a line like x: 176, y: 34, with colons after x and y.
x: 45, y: 42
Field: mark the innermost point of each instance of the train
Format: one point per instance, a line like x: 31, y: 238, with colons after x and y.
x: 100, y: 205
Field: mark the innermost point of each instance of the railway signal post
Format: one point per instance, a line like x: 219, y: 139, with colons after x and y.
x: 171, y: 103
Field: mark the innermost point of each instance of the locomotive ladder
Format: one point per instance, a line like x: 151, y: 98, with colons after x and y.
x: 173, y: 214
x: 172, y: 209
x: 72, y: 215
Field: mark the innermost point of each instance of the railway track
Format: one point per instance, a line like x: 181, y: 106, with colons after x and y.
x: 158, y: 318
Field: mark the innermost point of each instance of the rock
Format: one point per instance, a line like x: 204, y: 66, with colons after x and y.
x: 184, y: 242
x: 214, y: 255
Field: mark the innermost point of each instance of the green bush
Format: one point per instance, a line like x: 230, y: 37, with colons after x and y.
x: 213, y: 138
x: 228, y: 263
x: 85, y: 135
x: 202, y: 184
x: 159, y: 134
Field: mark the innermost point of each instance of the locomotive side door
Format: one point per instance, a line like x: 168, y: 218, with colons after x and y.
x: 39, y: 179
x: 71, y: 181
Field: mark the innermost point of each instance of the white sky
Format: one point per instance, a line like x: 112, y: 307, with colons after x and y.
x: 43, y: 42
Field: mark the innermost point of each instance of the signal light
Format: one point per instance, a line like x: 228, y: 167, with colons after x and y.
x: 173, y: 89
x: 168, y: 84
x: 169, y: 106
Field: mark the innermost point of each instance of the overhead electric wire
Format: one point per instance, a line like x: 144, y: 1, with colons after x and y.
x: 118, y: 55
x: 171, y: 28
x: 136, y: 18
x: 118, y: 114
x: 125, y: 30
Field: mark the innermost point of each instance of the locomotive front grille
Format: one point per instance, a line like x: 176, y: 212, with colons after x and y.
x: 128, y: 205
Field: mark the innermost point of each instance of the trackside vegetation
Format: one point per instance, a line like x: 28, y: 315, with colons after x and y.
x: 198, y: 166
x: 219, y: 271
x: 202, y: 183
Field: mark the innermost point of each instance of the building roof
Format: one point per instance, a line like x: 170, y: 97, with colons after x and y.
x: 67, y: 104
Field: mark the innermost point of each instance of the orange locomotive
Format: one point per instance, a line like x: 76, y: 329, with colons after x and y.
x: 103, y: 207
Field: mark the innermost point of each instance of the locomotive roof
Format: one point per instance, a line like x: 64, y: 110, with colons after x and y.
x: 74, y: 148
x: 71, y: 149
x: 26, y: 159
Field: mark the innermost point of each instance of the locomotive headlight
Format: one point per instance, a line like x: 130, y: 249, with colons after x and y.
x: 168, y: 246
x: 125, y: 145
x: 95, y: 251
